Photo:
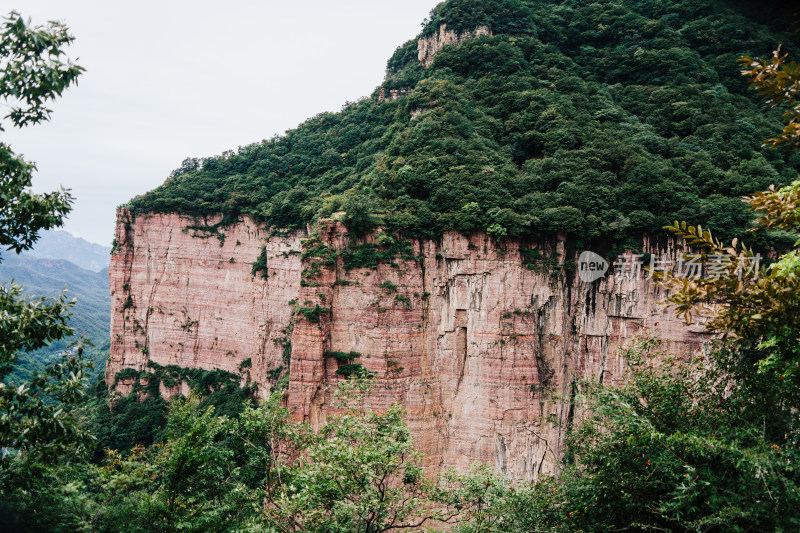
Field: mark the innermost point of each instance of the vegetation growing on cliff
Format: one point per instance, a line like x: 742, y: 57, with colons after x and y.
x: 139, y: 419
x: 600, y: 120
x: 708, y: 442
x: 260, y: 264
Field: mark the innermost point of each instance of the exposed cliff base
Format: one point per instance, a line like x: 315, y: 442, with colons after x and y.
x: 481, y: 345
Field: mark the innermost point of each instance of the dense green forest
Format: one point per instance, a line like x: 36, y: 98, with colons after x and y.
x: 603, y: 120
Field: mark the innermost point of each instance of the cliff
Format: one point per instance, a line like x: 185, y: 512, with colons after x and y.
x: 427, y: 47
x: 186, y: 297
x: 479, y: 342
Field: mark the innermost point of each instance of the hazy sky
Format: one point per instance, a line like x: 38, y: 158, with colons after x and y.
x: 174, y: 79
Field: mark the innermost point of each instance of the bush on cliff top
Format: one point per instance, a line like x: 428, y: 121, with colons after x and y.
x: 601, y: 120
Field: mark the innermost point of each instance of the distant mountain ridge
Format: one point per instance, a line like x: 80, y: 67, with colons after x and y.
x: 48, y: 277
x: 60, y: 244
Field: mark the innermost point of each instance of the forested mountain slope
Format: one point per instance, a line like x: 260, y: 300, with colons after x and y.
x: 603, y: 120
x: 90, y: 316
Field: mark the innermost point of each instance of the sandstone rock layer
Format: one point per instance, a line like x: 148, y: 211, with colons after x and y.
x: 481, y: 347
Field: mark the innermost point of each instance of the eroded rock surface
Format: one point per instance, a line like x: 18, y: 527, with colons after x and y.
x: 427, y: 47
x: 481, y: 347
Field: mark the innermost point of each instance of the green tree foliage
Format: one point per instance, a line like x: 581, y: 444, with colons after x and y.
x: 361, y: 472
x: 33, y: 418
x: 123, y: 423
x: 33, y: 74
x: 503, y: 16
x: 258, y: 471
x: 177, y: 485
x: 140, y: 419
x: 681, y: 445
x: 603, y: 120
x: 779, y: 81
x: 761, y: 310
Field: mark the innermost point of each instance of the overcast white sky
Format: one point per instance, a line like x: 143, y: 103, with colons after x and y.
x: 170, y: 79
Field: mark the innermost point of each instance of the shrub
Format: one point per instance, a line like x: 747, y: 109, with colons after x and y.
x: 313, y: 314
x: 260, y: 264
x: 354, y: 370
x: 343, y: 357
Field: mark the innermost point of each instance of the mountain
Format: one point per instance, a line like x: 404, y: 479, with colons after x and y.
x: 90, y: 316
x: 429, y: 233
x: 59, y: 244
x: 601, y: 120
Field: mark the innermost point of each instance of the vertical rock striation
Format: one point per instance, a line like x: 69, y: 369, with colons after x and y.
x: 481, y: 347
x: 187, y: 297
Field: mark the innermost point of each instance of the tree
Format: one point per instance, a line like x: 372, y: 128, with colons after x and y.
x: 360, y: 472
x: 681, y: 445
x: 778, y: 80
x: 186, y: 483
x: 33, y: 73
x: 262, y: 471
x: 259, y: 471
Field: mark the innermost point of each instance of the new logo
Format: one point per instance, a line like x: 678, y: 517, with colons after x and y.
x: 591, y: 267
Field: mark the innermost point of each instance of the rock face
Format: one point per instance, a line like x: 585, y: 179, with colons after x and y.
x: 427, y: 47
x: 481, y: 343
x: 187, y: 297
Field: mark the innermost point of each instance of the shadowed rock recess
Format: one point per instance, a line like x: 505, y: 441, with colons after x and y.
x: 429, y: 234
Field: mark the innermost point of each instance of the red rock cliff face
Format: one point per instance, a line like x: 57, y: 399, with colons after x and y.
x: 187, y: 297
x: 481, y: 349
